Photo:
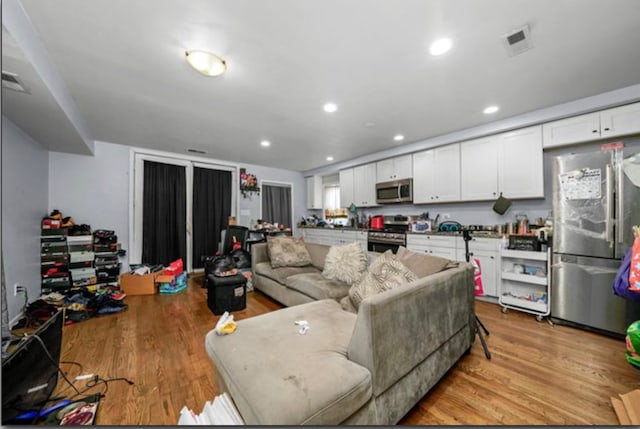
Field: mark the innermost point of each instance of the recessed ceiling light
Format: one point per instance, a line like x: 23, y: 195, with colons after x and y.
x: 440, y: 46
x: 329, y: 158
x: 206, y: 63
x: 265, y: 143
x: 491, y: 109
x: 330, y: 107
x: 398, y: 137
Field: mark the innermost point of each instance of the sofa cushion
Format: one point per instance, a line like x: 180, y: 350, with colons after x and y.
x: 385, y: 273
x: 287, y: 252
x: 317, y: 286
x: 423, y: 265
x: 345, y: 263
x: 281, y: 274
x: 304, y: 379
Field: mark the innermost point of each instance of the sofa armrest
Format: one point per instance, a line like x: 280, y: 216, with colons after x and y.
x: 259, y: 253
x: 397, y: 329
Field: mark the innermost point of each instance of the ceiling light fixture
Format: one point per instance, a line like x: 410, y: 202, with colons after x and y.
x: 330, y: 107
x: 440, y: 46
x: 398, y: 137
x: 491, y: 109
x: 206, y: 63
x: 329, y: 158
x: 265, y: 143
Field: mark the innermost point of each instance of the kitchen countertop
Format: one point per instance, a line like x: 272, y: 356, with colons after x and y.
x: 474, y: 234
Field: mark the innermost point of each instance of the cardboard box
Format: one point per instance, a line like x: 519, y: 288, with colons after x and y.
x: 133, y: 284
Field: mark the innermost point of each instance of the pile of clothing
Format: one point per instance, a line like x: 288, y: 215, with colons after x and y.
x: 81, y: 304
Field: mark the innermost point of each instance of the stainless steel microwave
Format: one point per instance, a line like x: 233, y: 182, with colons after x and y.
x: 397, y: 191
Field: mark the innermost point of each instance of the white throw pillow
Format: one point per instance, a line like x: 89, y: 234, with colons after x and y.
x: 345, y: 263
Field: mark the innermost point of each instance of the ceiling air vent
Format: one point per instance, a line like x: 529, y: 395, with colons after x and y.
x: 517, y: 41
x: 12, y: 81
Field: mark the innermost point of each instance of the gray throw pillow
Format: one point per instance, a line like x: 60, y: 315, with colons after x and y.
x: 424, y: 265
x: 386, y: 272
x: 287, y: 252
x: 345, y: 263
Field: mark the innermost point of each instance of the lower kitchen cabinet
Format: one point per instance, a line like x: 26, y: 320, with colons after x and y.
x: 434, y: 245
x: 333, y: 237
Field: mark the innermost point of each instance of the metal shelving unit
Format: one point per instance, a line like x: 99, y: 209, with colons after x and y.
x: 525, y: 282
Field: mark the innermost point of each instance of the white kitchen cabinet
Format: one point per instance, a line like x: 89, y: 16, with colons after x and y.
x: 620, y: 121
x: 331, y: 236
x: 520, y: 164
x: 614, y: 122
x: 479, y: 169
x: 487, y: 251
x: 364, y: 185
x: 314, y: 192
x: 396, y: 168
x: 346, y: 188
x: 510, y: 163
x: 436, y: 175
x: 433, y: 245
x: 577, y: 129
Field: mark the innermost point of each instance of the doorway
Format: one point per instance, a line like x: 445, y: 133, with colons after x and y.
x: 180, y: 206
x: 277, y: 203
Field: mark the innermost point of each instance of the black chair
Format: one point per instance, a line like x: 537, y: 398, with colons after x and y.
x: 241, y: 233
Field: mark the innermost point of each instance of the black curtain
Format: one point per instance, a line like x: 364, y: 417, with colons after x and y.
x: 211, y: 210
x: 164, y: 213
x: 276, y: 204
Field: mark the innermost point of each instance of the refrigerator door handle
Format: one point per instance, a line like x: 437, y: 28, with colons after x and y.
x: 609, y: 208
x: 620, y: 200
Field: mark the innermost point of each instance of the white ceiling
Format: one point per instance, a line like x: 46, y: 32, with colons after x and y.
x: 123, y: 63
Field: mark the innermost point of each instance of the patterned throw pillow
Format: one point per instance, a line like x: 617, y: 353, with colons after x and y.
x: 386, y: 272
x: 287, y: 252
x: 345, y: 263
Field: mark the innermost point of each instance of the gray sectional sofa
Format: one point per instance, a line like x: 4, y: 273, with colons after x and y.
x: 295, y: 285
x: 366, y: 368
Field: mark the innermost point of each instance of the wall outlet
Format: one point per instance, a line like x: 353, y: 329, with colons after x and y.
x: 446, y: 216
x: 15, y: 289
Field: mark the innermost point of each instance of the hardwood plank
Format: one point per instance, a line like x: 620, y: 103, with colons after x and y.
x: 538, y: 375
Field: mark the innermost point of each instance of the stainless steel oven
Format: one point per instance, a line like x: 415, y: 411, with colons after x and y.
x: 381, y: 241
x: 391, y: 237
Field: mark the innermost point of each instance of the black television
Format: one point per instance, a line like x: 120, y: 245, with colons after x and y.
x: 28, y: 375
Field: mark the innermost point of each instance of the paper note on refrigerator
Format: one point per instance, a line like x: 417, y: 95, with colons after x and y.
x: 581, y: 184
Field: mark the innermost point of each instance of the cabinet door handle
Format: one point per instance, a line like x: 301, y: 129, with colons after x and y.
x: 594, y: 131
x: 491, y: 257
x: 606, y: 129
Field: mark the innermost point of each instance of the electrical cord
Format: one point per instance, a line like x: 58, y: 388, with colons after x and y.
x: 54, y: 362
x: 97, y: 380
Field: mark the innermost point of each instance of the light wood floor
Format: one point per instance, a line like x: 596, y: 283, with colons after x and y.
x: 539, y: 374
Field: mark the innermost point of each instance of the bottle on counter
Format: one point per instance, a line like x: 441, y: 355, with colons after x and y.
x: 505, y: 242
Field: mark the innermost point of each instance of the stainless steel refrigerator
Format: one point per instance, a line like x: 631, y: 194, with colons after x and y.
x: 594, y: 206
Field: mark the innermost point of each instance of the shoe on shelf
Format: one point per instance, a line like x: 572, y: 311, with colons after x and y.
x: 55, y: 214
x: 67, y: 222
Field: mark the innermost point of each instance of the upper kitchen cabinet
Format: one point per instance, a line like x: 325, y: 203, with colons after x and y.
x: 520, y: 165
x: 620, y: 121
x: 314, y: 192
x: 347, y: 196
x: 364, y: 185
x: 508, y: 163
x: 479, y: 169
x: 436, y: 175
x: 615, y: 122
x: 394, y: 168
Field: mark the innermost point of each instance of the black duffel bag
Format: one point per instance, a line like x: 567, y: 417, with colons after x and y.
x: 242, y: 258
x: 220, y: 266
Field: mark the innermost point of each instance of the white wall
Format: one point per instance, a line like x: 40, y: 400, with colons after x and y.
x: 25, y: 177
x: 95, y: 189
